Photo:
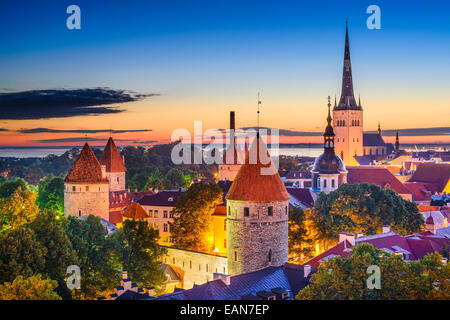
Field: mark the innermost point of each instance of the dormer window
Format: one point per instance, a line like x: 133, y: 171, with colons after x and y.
x: 170, y: 199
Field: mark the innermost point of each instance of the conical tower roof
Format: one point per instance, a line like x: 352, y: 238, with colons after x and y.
x: 86, y: 168
x: 111, y: 158
x: 257, y: 179
x: 135, y: 211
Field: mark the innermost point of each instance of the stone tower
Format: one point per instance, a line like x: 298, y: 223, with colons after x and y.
x: 257, y: 214
x: 329, y: 170
x: 86, y: 189
x: 115, y: 167
x: 232, y: 157
x: 348, y: 115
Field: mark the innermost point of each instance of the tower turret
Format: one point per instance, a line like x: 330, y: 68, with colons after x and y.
x: 86, y: 188
x: 397, y: 142
x: 115, y: 166
x: 257, y: 214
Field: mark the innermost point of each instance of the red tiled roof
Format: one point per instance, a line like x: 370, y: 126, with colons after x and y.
x: 115, y: 217
x: 434, y: 173
x: 339, y: 250
x: 251, y: 184
x: 428, y: 208
x: 111, y: 158
x: 419, y: 191
x: 376, y: 175
x: 86, y: 168
x: 135, y: 211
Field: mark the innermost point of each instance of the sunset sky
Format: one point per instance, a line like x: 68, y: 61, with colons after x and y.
x: 197, y: 60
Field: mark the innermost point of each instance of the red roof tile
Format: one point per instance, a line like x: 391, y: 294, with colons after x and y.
x: 111, y: 158
x: 419, y: 191
x: 86, y: 168
x: 135, y: 211
x: 376, y: 175
x: 253, y: 181
x: 434, y: 173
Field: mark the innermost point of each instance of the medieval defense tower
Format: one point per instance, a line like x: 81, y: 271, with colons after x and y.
x: 86, y: 188
x: 115, y: 167
x: 348, y: 115
x: 257, y: 214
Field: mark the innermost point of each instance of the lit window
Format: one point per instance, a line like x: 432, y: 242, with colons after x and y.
x: 171, y: 214
x: 150, y: 213
x: 165, y: 214
x: 155, y: 214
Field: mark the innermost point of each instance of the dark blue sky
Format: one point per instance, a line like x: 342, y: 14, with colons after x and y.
x: 217, y: 53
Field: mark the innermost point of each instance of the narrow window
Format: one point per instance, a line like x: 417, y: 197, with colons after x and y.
x: 190, y: 264
x: 171, y: 214
x: 286, y: 210
x: 87, y: 188
x: 150, y: 213
x: 155, y: 214
x: 173, y: 260
x: 332, y: 183
x: 229, y: 211
x: 225, y: 225
x: 324, y: 183
x: 270, y: 255
x: 246, y: 212
x: 165, y: 227
x: 235, y: 255
x: 79, y: 213
x: 165, y: 214
x: 225, y: 243
x: 73, y: 188
x: 117, y: 179
x: 270, y: 211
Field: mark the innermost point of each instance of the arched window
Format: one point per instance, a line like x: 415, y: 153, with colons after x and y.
x: 324, y: 183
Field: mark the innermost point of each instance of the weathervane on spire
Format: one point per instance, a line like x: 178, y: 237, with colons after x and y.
x: 259, y: 102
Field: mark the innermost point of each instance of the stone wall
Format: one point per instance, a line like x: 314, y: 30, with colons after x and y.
x: 198, y: 268
x: 228, y: 171
x: 116, y: 181
x: 258, y: 240
x: 83, y: 199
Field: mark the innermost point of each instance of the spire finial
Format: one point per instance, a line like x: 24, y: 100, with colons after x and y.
x: 329, y: 112
x: 259, y: 103
x: 379, y: 128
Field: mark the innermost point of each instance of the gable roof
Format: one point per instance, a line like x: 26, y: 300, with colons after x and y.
x: 256, y: 181
x: 303, y: 195
x: 86, y: 168
x: 373, y: 140
x: 376, y: 175
x: 419, y: 191
x: 135, y: 211
x: 430, y: 172
x: 165, y: 198
x: 111, y: 158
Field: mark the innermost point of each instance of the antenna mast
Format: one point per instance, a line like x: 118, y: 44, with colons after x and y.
x: 259, y: 102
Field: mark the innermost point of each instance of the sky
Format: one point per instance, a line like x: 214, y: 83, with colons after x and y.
x: 168, y: 63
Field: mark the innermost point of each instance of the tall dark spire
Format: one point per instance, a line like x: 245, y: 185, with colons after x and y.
x: 347, y: 100
x: 329, y: 133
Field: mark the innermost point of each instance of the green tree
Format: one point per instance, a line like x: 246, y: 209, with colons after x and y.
x: 99, y: 269
x: 136, y: 245
x: 8, y: 187
x: 50, y: 233
x: 300, y: 249
x: 192, y: 222
x: 346, y: 278
x: 363, y: 208
x: 51, y: 194
x: 32, y: 288
x: 17, y: 209
x: 20, y: 254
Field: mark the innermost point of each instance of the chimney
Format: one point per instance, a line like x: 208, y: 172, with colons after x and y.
x: 226, y: 278
x: 232, y: 123
x: 150, y: 291
x: 124, y: 274
x: 103, y: 171
x: 386, y: 229
x: 306, y: 270
x: 347, y: 236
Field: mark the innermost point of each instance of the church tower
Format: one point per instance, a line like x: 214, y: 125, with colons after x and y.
x: 348, y: 115
x: 329, y: 170
x: 86, y: 189
x: 232, y: 156
x: 257, y: 214
x: 397, y: 142
x: 115, y: 167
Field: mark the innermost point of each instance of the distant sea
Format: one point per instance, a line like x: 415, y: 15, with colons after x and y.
x: 303, y: 150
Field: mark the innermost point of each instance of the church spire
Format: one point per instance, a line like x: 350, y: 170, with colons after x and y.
x: 379, y: 129
x: 347, y: 100
x: 329, y: 133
